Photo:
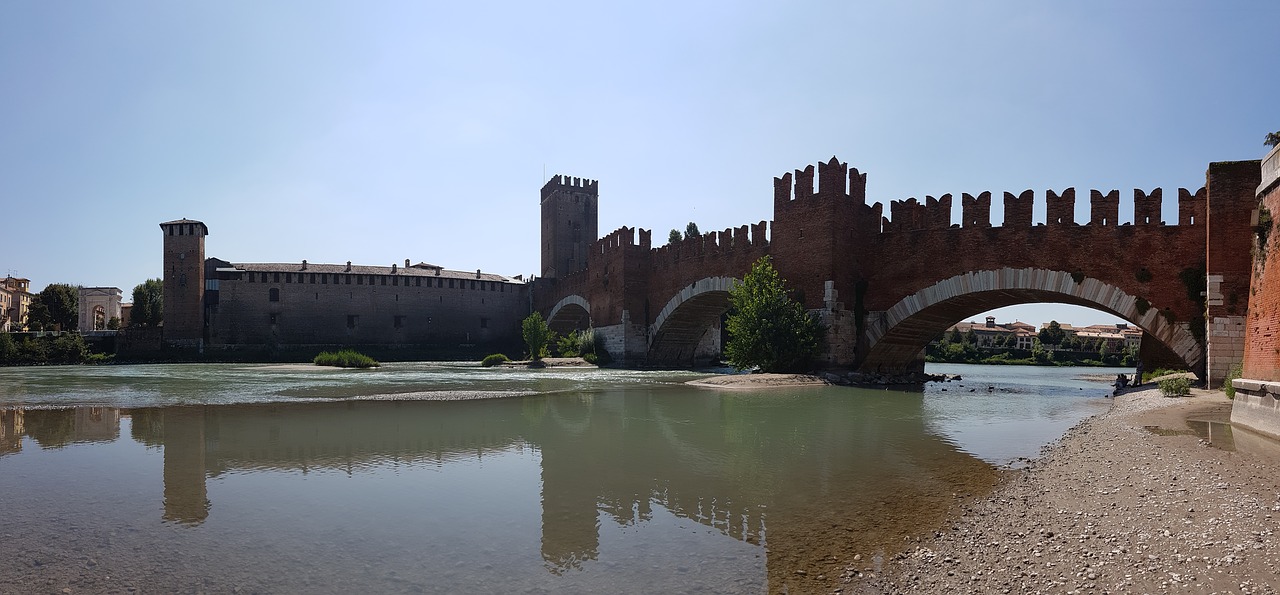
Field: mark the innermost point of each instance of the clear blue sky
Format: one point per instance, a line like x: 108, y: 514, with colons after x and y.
x: 379, y: 131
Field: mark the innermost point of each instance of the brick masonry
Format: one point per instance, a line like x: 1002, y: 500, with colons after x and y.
x: 1257, y: 402
x: 851, y: 265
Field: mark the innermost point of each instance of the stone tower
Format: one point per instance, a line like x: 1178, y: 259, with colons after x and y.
x: 184, y: 282
x: 569, y: 225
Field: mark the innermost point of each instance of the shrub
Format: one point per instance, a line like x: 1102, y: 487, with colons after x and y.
x: 1229, y: 388
x: 492, y: 360
x: 1175, y: 387
x: 346, y: 358
x: 590, y: 358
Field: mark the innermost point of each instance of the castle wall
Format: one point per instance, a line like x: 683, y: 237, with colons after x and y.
x: 1257, y: 401
x: 322, y: 308
x: 1232, y: 188
x: 184, y: 282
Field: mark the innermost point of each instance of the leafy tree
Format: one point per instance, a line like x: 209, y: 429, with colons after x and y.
x: 971, y: 338
x: 767, y: 328
x: 8, y: 349
x: 691, y: 230
x: 113, y: 324
x: 955, y: 336
x: 1273, y: 139
x: 148, y: 303
x: 1052, y: 333
x: 674, y: 236
x: 56, y: 306
x: 536, y: 335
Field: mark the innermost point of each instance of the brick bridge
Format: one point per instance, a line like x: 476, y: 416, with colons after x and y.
x: 886, y: 286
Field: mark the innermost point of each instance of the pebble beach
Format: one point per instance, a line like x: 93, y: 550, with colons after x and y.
x: 1135, y: 500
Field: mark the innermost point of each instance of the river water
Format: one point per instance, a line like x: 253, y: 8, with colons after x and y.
x: 259, y: 478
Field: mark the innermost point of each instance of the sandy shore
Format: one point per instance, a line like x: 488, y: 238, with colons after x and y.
x: 1131, y: 501
x: 749, y: 381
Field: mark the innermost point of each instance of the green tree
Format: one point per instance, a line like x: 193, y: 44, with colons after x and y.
x: 767, y: 328
x: 113, y: 324
x: 148, y: 303
x: 1052, y: 333
x: 674, y: 236
x: 56, y: 306
x: 691, y: 230
x: 1272, y: 139
x: 536, y: 335
x: 8, y: 349
x: 955, y: 336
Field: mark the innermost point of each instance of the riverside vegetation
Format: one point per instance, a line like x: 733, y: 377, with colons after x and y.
x: 346, y: 358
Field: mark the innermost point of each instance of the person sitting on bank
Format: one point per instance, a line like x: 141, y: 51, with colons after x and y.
x: 1121, y: 382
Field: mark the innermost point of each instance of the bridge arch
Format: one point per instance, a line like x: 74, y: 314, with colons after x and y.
x: 897, y: 338
x: 571, y: 313
x: 682, y: 324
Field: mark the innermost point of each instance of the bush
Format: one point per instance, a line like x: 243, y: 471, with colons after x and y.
x: 492, y: 360
x: 590, y: 358
x: 346, y: 358
x: 1177, y: 386
x: 1158, y: 372
x: 1229, y: 388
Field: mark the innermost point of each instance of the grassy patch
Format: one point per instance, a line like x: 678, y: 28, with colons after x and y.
x: 492, y: 360
x: 347, y: 358
x: 1176, y: 386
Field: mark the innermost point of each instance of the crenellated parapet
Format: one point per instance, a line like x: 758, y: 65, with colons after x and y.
x: 559, y: 181
x: 836, y: 180
x: 1059, y: 208
x: 753, y: 237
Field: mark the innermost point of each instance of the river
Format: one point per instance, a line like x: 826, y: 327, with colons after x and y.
x: 261, y: 478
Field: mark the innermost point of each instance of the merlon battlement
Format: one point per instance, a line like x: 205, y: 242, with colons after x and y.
x: 1060, y: 209
x: 560, y: 182
x: 835, y: 180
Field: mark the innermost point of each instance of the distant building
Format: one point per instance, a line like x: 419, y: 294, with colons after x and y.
x: 15, y: 303
x: 98, y: 305
x: 991, y: 334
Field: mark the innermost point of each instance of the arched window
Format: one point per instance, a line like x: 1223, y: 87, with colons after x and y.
x: 274, y: 294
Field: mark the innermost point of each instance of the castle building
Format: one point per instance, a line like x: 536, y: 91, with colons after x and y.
x: 213, y: 303
x: 569, y: 224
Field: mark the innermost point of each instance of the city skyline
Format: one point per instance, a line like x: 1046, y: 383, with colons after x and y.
x: 374, y: 134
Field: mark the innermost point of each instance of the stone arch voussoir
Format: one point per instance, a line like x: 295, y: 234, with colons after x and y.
x: 1012, y: 285
x: 570, y: 304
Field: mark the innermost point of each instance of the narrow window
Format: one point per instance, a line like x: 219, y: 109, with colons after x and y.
x: 348, y: 278
x: 324, y: 279
x: 417, y: 282
x: 276, y: 277
x: 313, y: 277
x: 274, y: 294
x: 384, y: 280
x: 359, y: 279
x: 450, y: 283
x: 288, y: 277
x: 440, y: 282
x: 473, y: 285
x: 395, y: 281
x: 370, y: 279
x: 251, y: 276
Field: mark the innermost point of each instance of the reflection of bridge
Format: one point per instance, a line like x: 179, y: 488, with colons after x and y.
x: 886, y: 286
x: 800, y: 471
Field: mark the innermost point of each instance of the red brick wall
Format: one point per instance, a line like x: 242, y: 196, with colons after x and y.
x: 1262, y: 330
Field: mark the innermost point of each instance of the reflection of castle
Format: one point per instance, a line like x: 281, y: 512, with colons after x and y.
x: 736, y: 465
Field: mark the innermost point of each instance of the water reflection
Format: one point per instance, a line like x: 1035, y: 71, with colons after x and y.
x: 817, y: 475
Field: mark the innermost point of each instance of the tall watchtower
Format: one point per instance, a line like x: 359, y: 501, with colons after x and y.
x: 184, y: 281
x: 569, y: 224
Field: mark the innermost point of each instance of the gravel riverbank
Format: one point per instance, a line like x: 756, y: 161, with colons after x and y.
x: 1131, y: 501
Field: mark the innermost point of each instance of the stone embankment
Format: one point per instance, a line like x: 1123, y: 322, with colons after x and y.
x: 1131, y: 501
